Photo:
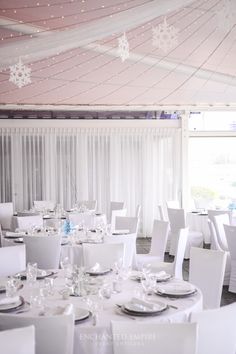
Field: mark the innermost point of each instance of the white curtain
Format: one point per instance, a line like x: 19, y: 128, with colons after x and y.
x: 135, y: 165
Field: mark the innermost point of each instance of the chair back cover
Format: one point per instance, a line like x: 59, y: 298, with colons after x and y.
x: 6, y: 213
x: 12, y: 260
x: 127, y: 223
x: 213, y: 237
x: 176, y: 219
x: 27, y: 222
x: 161, y: 212
x: 53, y: 334
x: 115, y: 214
x: 41, y: 205
x: 18, y: 340
x: 44, y: 250
x: 129, y: 242
x: 105, y: 254
x: 173, y: 204
x: 138, y: 211
x: 206, y: 271
x: 180, y: 250
x: 159, y: 238
x: 216, y: 330
x: 230, y: 232
x: 154, y: 338
x: 219, y: 221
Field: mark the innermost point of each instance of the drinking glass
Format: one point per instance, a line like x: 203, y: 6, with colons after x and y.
x: 31, y: 273
x: 11, y: 287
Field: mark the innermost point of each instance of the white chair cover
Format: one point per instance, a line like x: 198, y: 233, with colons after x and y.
x: 53, y: 334
x: 44, y: 250
x: 216, y: 330
x: 161, y: 213
x: 114, y: 214
x: 89, y: 204
x: 129, y: 242
x: 12, y: 260
x: 211, y: 213
x: 206, y: 271
x: 154, y: 338
x: 173, y: 204
x: 174, y: 268
x: 158, y: 244
x: 18, y: 341
x: 177, y: 220
x: 138, y: 211
x: 127, y: 223
x: 219, y: 221
x: 27, y: 222
x: 215, y: 246
x: 6, y: 213
x: 230, y: 232
x: 41, y: 205
x: 116, y: 206
x: 104, y: 254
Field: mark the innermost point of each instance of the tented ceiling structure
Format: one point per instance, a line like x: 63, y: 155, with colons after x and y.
x: 118, y: 52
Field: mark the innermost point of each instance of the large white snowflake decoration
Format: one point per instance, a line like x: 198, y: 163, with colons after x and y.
x: 165, y: 36
x: 20, y: 74
x: 123, y: 47
x: 226, y: 16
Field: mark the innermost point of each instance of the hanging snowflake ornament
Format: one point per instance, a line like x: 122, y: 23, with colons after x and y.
x: 164, y: 36
x: 20, y: 74
x: 226, y: 16
x: 123, y: 47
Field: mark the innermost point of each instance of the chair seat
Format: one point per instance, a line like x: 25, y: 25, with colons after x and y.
x: 195, y: 239
x: 142, y: 259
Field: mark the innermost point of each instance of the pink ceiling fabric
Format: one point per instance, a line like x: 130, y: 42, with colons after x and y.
x: 71, y: 47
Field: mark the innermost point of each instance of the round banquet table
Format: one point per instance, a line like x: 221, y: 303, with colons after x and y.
x: 97, y: 339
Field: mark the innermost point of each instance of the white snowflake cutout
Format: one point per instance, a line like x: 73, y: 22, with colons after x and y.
x: 226, y: 16
x: 123, y: 47
x: 20, y: 74
x: 165, y: 36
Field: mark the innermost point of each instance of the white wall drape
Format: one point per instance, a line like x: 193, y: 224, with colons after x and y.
x: 137, y: 165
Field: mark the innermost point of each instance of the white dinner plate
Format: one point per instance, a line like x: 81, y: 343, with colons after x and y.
x: 12, y: 306
x: 163, y: 277
x: 41, y: 274
x: 80, y: 313
x: 176, y: 290
x: 153, y: 308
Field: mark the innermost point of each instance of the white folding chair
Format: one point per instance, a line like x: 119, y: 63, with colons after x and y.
x: 219, y: 221
x: 104, y: 254
x: 129, y: 242
x: 53, y: 334
x: 206, y: 271
x: 18, y: 341
x: 127, y: 223
x: 216, y: 330
x: 173, y: 204
x: 177, y: 221
x: 158, y: 244
x: 230, y: 232
x: 116, y: 206
x: 43, y: 250
x: 41, y: 205
x: 154, y: 338
x: 6, y: 214
x: 12, y: 260
x: 89, y: 204
x: 114, y: 215
x: 215, y: 246
x: 27, y: 222
x: 174, y: 268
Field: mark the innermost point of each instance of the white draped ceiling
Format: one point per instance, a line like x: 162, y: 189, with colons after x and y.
x: 72, y: 50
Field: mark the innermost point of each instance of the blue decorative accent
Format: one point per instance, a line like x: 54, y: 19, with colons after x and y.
x: 67, y: 227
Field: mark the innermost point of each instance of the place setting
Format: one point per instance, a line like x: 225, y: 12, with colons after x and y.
x: 142, y: 308
x: 176, y: 290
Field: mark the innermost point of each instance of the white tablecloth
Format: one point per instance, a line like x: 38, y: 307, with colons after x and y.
x: 90, y: 339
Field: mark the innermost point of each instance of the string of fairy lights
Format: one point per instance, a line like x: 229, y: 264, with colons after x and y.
x: 163, y: 36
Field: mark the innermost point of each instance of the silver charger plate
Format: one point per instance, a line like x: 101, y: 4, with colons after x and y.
x: 41, y: 274
x: 176, y: 293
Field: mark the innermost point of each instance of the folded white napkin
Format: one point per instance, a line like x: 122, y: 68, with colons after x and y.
x: 144, y: 305
x: 9, y: 300
x: 95, y: 268
x: 69, y: 309
x: 176, y: 287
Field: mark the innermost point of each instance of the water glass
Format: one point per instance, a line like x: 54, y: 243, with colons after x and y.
x: 31, y: 273
x: 11, y: 287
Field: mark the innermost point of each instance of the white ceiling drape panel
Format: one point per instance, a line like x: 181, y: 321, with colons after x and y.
x: 135, y: 165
